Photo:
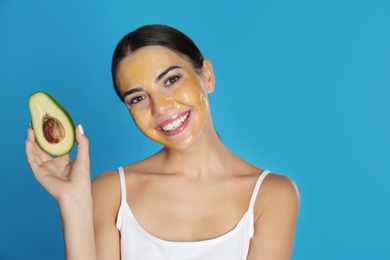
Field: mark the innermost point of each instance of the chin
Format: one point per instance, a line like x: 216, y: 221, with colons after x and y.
x: 178, y: 143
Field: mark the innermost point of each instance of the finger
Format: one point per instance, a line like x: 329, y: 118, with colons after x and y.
x: 30, y: 145
x: 30, y: 135
x: 41, y: 156
x: 30, y: 153
x: 82, y: 155
x: 32, y: 158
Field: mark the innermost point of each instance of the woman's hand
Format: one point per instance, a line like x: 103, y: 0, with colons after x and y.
x: 70, y: 184
x: 61, y: 178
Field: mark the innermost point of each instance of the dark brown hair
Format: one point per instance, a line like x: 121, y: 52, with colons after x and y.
x: 160, y: 35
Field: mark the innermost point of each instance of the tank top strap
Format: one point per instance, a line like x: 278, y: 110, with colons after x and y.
x: 257, y: 188
x: 123, y: 202
x: 123, y: 183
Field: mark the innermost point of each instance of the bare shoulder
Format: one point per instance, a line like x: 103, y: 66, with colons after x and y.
x: 106, y: 191
x: 106, y: 181
x: 277, y: 191
x: 106, y: 202
x: 276, y: 211
x: 280, y: 185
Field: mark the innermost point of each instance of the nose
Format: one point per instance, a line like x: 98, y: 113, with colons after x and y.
x: 161, y: 105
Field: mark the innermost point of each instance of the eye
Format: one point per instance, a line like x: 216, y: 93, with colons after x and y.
x: 136, y: 100
x: 171, y: 80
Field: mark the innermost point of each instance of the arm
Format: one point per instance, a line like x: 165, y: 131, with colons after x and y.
x: 106, y: 202
x: 69, y: 183
x: 276, y: 211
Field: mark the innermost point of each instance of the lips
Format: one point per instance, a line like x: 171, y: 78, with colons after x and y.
x: 174, y: 125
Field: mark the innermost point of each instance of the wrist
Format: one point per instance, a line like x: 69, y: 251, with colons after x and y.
x: 77, y: 220
x: 72, y: 203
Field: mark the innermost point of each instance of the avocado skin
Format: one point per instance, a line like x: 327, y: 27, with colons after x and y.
x: 37, y: 124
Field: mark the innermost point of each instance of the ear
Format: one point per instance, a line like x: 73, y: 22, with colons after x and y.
x: 208, y: 73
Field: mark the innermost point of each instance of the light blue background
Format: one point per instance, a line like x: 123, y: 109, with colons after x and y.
x: 302, y: 89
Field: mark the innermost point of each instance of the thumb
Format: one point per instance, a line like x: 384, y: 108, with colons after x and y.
x: 82, y: 155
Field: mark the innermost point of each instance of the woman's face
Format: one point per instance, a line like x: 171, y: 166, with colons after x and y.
x: 166, y: 97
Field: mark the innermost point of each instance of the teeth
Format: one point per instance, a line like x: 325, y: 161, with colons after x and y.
x: 175, y: 124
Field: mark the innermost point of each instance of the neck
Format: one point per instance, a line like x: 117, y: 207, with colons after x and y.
x: 208, y: 156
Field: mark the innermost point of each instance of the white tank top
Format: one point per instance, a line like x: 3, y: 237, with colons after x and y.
x: 137, y: 244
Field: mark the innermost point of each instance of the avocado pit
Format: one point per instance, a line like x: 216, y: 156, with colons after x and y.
x: 52, y: 129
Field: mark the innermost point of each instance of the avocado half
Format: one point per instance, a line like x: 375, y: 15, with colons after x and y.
x: 53, y: 127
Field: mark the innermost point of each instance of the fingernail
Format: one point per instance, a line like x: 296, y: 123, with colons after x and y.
x: 81, y: 129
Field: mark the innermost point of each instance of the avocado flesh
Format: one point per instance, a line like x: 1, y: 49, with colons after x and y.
x: 53, y: 127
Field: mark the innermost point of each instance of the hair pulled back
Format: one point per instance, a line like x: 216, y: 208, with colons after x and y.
x: 160, y: 35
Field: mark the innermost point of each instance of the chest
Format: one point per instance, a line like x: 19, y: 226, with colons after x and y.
x: 179, y: 211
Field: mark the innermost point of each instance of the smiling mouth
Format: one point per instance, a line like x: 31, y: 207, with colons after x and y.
x: 175, y: 124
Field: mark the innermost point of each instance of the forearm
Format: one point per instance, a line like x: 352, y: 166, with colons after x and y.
x: 77, y: 221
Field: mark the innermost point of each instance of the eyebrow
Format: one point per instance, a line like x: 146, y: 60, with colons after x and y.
x: 131, y: 91
x: 159, y: 77
x: 165, y: 72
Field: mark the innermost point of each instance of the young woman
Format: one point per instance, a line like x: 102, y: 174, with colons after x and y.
x: 194, y: 199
